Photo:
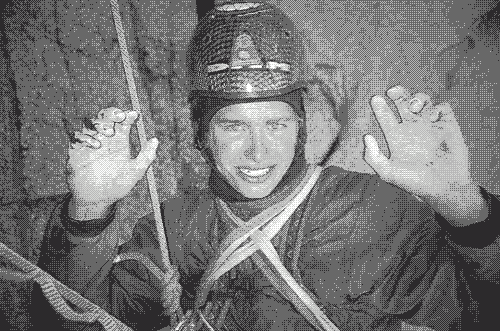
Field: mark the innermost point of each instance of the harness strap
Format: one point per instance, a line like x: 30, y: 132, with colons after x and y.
x: 279, y: 213
x: 277, y: 274
x: 286, y: 284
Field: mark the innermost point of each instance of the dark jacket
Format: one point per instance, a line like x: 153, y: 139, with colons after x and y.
x: 372, y: 254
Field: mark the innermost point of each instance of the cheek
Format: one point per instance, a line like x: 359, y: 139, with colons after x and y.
x: 225, y: 149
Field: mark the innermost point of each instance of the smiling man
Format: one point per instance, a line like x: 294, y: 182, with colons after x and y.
x: 254, y: 145
x: 276, y: 243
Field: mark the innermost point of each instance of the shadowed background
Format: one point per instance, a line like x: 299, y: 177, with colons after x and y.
x: 61, y: 63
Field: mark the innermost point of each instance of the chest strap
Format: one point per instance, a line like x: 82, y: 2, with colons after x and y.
x: 252, y: 239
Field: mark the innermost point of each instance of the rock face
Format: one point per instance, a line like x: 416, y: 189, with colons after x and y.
x: 67, y: 67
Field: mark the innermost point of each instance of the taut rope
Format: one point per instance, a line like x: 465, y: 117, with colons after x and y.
x: 142, y: 136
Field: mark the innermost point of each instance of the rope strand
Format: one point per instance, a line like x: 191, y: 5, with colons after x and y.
x: 142, y: 136
x: 57, y: 293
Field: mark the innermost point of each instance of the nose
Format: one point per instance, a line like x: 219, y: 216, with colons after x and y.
x: 257, y: 147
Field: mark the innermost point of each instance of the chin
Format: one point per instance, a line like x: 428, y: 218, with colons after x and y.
x: 256, y: 193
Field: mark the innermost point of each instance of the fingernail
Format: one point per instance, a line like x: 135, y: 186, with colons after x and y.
x: 394, y: 89
x: 415, y: 104
x: 414, y: 101
x: 378, y: 99
x: 435, y: 116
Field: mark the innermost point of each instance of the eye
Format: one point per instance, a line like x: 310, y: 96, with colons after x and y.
x: 233, y: 127
x: 277, y: 126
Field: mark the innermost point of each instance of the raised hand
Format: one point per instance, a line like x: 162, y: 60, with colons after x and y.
x: 100, y: 168
x: 428, y: 155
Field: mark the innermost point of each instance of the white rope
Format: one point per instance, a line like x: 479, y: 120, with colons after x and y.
x: 232, y: 256
x: 263, y: 241
x: 142, y: 136
x: 57, y: 293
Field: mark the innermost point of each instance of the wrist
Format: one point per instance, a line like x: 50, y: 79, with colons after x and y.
x: 83, y: 211
x: 461, y: 205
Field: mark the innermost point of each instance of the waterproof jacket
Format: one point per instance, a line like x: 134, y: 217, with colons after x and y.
x: 372, y: 255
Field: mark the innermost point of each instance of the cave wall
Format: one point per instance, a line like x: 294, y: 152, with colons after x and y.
x: 67, y: 66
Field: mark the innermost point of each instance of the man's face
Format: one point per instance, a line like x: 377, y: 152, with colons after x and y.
x: 254, y: 144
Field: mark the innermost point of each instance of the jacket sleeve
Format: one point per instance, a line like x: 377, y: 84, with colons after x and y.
x: 136, y: 289
x: 376, y: 257
x: 388, y: 258
x: 478, y: 246
x: 135, y: 298
x: 481, y: 241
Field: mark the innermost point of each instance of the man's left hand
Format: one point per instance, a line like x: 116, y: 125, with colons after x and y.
x: 428, y: 155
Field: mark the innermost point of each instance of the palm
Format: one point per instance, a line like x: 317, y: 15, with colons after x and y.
x: 428, y: 153
x: 107, y: 173
x: 102, y: 175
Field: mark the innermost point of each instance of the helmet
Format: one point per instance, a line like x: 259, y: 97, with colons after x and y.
x: 245, y: 51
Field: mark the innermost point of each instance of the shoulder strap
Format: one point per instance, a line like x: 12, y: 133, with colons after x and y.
x: 233, y: 254
x: 276, y: 272
x: 284, y: 282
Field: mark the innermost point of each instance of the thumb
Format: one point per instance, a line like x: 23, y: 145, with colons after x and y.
x: 374, y: 157
x: 147, y: 155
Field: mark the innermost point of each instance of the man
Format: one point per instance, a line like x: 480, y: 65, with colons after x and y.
x: 276, y: 243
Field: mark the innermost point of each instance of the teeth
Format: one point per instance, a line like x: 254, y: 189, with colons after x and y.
x: 255, y: 173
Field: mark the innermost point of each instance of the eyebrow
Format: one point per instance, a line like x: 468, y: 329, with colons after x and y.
x: 231, y: 121
x: 228, y: 121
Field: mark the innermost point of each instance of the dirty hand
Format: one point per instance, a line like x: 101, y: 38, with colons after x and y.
x: 100, y: 168
x: 428, y: 155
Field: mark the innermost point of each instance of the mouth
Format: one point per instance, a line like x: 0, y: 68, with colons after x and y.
x: 256, y: 175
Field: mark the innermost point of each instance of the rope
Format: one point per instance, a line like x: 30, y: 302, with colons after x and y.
x: 300, y: 298
x: 172, y: 290
x: 142, y: 135
x: 57, y: 293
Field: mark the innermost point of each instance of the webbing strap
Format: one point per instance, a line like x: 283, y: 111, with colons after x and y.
x: 279, y: 213
x: 261, y: 240
x: 286, y: 285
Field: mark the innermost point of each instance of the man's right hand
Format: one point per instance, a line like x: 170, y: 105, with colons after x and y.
x: 100, y: 168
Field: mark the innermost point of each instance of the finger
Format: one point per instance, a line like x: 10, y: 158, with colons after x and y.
x: 112, y: 115
x: 124, y: 127
x: 146, y: 156
x: 385, y: 116
x: 88, y: 132
x: 399, y: 94
x: 88, y: 140
x: 431, y: 114
x: 446, y: 113
x: 374, y: 157
x: 419, y: 101
x: 105, y: 128
x: 130, y: 118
